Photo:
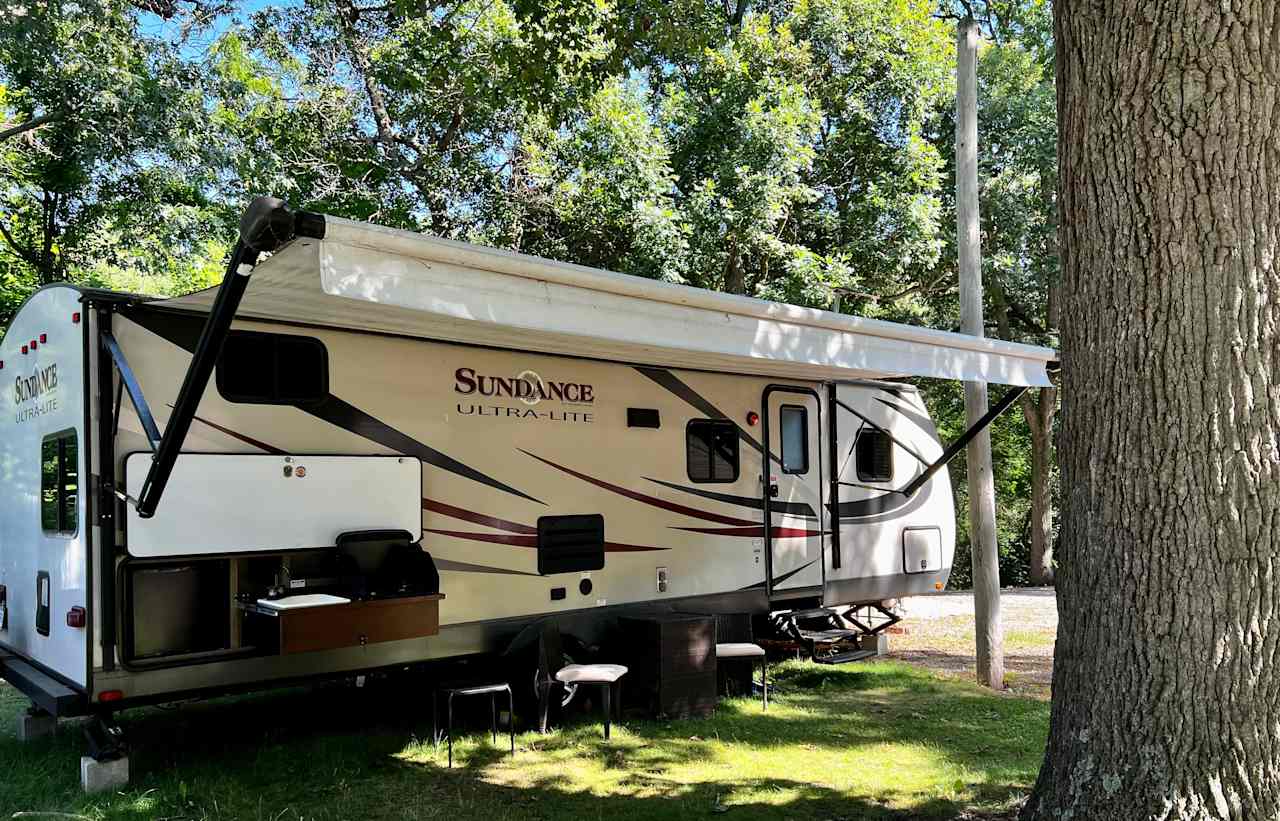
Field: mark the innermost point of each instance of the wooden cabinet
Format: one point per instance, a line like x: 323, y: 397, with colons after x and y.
x: 672, y: 663
x: 357, y: 623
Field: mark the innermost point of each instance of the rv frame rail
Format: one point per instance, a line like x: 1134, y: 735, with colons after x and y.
x: 267, y: 224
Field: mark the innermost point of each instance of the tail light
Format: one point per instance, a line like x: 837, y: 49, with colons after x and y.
x: 76, y: 617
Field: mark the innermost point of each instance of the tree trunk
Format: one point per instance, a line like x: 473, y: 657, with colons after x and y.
x: 734, y: 277
x: 1165, y: 693
x: 1039, y: 413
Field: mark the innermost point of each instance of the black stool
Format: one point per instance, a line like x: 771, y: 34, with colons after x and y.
x: 492, y: 691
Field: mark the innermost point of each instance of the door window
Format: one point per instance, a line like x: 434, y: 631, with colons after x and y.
x: 794, y: 421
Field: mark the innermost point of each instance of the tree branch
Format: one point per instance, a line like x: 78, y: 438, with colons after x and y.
x: 25, y: 253
x: 29, y: 125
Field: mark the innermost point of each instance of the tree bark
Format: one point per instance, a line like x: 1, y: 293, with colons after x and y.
x: 1165, y: 693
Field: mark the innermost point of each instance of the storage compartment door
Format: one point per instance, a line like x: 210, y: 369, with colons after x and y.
x: 218, y: 503
x: 921, y: 550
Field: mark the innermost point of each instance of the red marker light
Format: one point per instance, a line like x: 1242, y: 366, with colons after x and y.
x: 75, y: 318
x: 24, y: 349
x: 76, y: 617
x: 752, y: 418
x: 44, y: 338
x: 110, y: 695
x: 1, y: 364
x: 34, y: 344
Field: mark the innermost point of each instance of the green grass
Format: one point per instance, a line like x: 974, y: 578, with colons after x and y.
x: 872, y: 741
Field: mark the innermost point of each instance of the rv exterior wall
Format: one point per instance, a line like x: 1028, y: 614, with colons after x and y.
x: 504, y: 438
x: 43, y: 523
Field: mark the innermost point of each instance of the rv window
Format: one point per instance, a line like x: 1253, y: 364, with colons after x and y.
x: 795, y: 439
x: 711, y: 447
x: 273, y: 369
x: 59, y: 483
x: 874, y: 456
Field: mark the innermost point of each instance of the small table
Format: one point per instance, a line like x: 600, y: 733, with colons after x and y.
x: 492, y: 691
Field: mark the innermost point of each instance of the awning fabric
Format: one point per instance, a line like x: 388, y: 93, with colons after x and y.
x: 370, y: 278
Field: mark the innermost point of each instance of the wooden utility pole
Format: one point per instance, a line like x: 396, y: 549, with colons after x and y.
x: 982, y: 494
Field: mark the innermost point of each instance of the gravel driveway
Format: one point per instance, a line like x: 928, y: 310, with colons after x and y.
x: 938, y: 634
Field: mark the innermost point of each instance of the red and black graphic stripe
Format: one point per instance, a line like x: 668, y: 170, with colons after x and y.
x: 646, y: 499
x: 517, y: 535
x: 756, y: 531
x: 263, y: 446
x: 782, y: 578
x: 754, y: 502
x: 183, y: 330
x: 671, y: 382
x: 921, y: 421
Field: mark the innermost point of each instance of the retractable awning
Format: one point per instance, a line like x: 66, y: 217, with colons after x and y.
x: 370, y: 278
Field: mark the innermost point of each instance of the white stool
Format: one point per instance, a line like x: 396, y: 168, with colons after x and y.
x: 747, y: 650
x: 606, y: 675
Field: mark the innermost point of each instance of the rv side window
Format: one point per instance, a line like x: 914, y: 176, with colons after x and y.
x: 794, y: 421
x: 273, y: 369
x: 59, y: 483
x: 711, y: 448
x: 874, y: 456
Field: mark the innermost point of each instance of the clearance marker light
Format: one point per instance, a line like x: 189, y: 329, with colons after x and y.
x: 44, y: 338
x: 75, y: 318
x: 110, y: 695
x: 752, y: 418
x: 24, y: 349
x: 34, y: 344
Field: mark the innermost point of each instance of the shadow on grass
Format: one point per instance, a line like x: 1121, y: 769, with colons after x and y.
x: 341, y: 752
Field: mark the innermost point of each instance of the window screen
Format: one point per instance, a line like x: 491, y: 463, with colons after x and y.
x: 711, y: 447
x: 273, y: 369
x: 59, y: 483
x: 794, y: 424
x: 874, y: 456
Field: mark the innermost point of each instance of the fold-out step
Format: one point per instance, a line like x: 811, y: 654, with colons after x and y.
x: 843, y: 658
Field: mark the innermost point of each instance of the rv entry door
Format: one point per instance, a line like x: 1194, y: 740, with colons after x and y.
x: 792, y: 487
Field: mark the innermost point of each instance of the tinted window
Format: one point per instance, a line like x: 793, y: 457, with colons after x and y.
x: 874, y: 456
x: 59, y: 483
x: 273, y: 369
x: 711, y: 448
x: 794, y: 423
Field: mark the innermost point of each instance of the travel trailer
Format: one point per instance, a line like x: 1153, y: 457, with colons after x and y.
x: 369, y: 448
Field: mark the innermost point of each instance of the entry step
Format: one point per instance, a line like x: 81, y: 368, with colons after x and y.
x: 829, y: 636
x: 845, y: 658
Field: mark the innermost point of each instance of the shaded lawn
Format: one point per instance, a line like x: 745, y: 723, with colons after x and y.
x: 870, y: 741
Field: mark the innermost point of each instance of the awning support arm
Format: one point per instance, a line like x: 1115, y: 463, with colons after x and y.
x: 267, y: 224
x: 130, y: 383
x: 965, y: 438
